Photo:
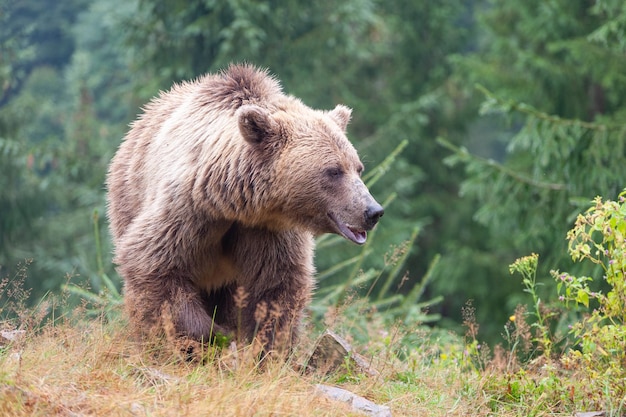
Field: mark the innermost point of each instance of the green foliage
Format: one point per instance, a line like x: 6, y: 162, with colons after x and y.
x: 63, y: 165
x: 20, y: 200
x: 59, y: 128
x: 527, y: 267
x: 599, y: 237
x: 590, y: 371
x: 523, y: 393
x: 547, y: 80
x: 108, y: 299
x: 548, y: 55
x: 34, y: 34
x: 551, y: 160
x: 185, y: 39
x: 613, y: 31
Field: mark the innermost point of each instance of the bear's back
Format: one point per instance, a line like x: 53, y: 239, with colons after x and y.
x: 186, y: 108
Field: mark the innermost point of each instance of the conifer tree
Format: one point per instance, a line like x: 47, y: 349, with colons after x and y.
x: 552, y: 81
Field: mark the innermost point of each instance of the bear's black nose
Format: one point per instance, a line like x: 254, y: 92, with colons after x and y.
x: 373, y: 212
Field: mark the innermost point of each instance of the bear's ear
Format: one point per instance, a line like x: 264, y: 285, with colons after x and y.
x: 341, y: 115
x: 256, y: 124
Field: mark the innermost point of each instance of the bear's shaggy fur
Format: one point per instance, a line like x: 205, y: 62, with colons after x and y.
x: 219, y: 187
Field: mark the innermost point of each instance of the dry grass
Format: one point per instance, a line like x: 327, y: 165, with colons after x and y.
x: 94, y: 369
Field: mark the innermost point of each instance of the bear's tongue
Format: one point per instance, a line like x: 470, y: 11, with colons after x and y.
x: 356, y: 235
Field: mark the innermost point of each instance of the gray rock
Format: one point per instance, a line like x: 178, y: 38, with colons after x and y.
x: 332, y: 351
x: 357, y: 402
x: 12, y: 335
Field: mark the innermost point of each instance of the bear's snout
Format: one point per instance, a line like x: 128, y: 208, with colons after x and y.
x: 373, y: 213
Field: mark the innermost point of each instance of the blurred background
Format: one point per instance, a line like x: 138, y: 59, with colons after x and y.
x: 512, y: 112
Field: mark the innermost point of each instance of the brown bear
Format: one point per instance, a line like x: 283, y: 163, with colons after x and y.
x: 218, y: 190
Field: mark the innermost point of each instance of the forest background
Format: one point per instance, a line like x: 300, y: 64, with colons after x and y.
x: 512, y: 112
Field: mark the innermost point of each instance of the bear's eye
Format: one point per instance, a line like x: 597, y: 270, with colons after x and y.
x: 334, y: 172
x: 359, y: 170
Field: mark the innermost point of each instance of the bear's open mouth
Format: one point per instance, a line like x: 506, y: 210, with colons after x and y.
x: 356, y: 235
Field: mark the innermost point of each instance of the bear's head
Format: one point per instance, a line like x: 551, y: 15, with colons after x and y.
x: 315, y: 172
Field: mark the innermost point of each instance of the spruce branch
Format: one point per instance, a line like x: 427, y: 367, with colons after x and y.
x: 509, y: 106
x: 464, y: 155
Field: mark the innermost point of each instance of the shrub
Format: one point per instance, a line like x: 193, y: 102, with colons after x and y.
x: 599, y: 236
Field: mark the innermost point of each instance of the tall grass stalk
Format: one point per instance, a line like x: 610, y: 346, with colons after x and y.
x: 108, y: 298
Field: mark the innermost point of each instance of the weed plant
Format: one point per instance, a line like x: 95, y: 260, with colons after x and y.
x: 588, y: 371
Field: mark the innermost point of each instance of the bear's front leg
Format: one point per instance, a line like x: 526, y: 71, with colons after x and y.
x: 275, y: 317
x: 276, y: 274
x: 173, y: 305
x: 161, y: 295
